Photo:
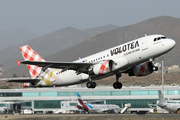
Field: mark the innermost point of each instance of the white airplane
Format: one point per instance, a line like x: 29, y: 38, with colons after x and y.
x: 174, y: 107
x: 135, y: 58
x: 96, y: 108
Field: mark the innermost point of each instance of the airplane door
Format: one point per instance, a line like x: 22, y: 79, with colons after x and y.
x: 144, y: 49
x: 144, y: 44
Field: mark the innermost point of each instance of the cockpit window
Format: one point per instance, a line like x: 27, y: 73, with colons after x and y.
x: 159, y: 38
x: 163, y: 37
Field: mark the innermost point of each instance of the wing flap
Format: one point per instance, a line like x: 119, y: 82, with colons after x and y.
x: 60, y: 65
x: 21, y: 80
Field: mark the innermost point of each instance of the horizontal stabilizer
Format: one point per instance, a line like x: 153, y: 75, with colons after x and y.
x: 20, y: 80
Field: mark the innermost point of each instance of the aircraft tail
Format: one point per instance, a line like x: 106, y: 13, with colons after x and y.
x: 80, y: 99
x: 82, y: 105
x: 30, y: 55
x: 161, y: 98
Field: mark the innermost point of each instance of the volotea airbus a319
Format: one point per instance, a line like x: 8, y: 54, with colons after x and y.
x: 135, y: 58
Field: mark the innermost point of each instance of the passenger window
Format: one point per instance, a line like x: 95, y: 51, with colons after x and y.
x: 159, y: 38
x: 154, y: 39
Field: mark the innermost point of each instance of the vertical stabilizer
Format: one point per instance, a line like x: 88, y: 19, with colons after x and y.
x: 30, y: 55
x: 79, y: 99
x: 161, y: 97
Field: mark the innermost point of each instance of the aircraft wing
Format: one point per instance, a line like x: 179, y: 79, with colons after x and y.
x: 77, y: 66
x: 20, y: 80
x: 161, y: 105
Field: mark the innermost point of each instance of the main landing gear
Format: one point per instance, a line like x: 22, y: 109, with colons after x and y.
x: 117, y: 84
x: 90, y: 84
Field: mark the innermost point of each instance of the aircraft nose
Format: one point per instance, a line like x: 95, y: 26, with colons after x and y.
x: 172, y: 43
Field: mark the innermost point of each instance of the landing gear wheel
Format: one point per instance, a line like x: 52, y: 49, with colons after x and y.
x: 117, y: 85
x: 94, y: 84
x: 91, y: 84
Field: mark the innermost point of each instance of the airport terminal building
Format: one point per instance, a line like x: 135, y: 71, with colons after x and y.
x: 40, y: 99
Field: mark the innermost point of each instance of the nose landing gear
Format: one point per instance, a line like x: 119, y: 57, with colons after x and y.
x: 117, y: 84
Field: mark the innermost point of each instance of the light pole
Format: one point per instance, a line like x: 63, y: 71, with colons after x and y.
x: 162, y: 70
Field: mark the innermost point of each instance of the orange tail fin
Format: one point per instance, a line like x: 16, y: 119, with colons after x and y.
x: 30, y: 55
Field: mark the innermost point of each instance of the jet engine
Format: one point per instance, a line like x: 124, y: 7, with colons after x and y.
x: 26, y: 84
x: 143, y: 69
x: 103, y: 67
x: 110, y: 65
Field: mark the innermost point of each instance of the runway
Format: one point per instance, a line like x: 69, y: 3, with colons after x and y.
x: 91, y: 117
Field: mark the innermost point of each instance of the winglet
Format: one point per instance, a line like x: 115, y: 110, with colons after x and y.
x: 78, y: 94
x: 148, y: 104
x: 19, y: 62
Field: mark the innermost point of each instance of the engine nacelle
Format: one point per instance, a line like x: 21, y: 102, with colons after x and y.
x: 26, y: 85
x: 110, y: 65
x: 120, y: 63
x: 103, y: 67
x: 143, y: 69
x: 29, y: 84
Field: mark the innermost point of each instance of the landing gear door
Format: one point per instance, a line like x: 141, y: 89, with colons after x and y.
x: 83, y: 77
x: 144, y: 44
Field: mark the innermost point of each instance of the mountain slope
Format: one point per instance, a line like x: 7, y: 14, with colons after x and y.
x: 102, y: 29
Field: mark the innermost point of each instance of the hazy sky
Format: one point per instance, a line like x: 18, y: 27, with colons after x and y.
x: 45, y: 16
